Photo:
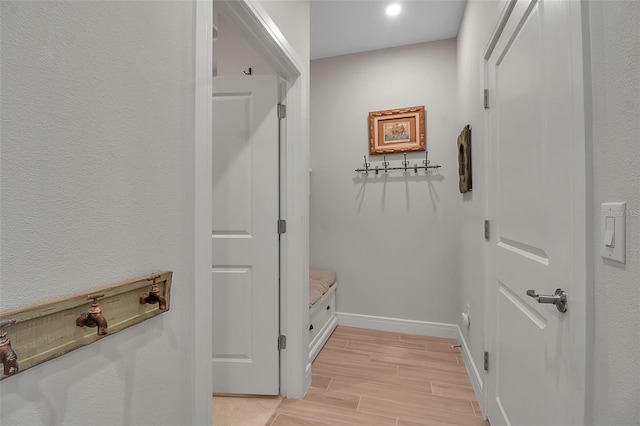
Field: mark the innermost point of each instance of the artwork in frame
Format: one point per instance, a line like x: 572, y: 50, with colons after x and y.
x: 397, y: 130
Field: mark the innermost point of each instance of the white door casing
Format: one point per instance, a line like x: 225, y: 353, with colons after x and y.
x: 245, y: 239
x: 537, y: 208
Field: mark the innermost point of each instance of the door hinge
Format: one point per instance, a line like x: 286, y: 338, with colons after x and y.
x: 282, y: 226
x: 486, y: 361
x: 282, y: 342
x: 486, y: 98
x: 487, y: 230
x: 282, y: 111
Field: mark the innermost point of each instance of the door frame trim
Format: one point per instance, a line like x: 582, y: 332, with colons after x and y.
x: 583, y: 196
x: 201, y: 296
x: 260, y: 30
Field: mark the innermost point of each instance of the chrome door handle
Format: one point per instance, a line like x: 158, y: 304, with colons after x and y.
x: 559, y: 298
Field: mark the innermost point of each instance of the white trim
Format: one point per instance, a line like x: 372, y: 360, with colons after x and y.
x: 473, y: 372
x: 260, y: 31
x: 297, y: 244
x: 308, y: 377
x: 202, y: 414
x: 397, y: 325
x: 499, y: 27
x: 583, y: 214
x: 322, y: 337
x: 589, y: 318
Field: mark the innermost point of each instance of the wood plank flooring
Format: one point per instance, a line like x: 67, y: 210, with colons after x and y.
x: 369, y: 378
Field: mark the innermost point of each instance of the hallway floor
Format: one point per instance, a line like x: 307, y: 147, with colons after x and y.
x: 367, y: 377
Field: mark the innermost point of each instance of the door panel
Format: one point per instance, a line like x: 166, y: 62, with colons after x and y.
x: 231, y: 165
x: 245, y: 240
x: 533, y: 206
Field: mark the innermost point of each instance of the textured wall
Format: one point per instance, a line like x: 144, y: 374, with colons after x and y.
x: 394, y: 241
x: 97, y: 187
x: 475, y: 30
x: 615, y: 68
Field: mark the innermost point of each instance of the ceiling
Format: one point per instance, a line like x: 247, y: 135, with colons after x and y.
x: 340, y: 27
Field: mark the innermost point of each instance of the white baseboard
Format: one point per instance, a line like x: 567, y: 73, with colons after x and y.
x: 308, y: 373
x: 421, y: 328
x: 472, y: 370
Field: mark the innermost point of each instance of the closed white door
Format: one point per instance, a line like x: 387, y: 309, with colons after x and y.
x: 537, y: 207
x: 245, y: 235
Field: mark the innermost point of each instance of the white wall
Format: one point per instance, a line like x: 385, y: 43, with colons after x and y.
x: 615, y: 69
x: 475, y: 29
x: 97, y: 186
x: 394, y: 241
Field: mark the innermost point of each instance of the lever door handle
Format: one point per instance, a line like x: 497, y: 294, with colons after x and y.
x: 559, y: 298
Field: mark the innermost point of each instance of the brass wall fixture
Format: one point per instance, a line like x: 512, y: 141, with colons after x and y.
x: 154, y: 295
x: 47, y: 330
x: 94, y: 317
x: 7, y: 355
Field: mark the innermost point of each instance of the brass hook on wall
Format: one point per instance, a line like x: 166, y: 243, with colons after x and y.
x: 7, y: 355
x: 94, y: 317
x: 154, y: 295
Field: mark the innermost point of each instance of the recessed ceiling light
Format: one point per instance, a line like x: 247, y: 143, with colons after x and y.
x: 393, y: 9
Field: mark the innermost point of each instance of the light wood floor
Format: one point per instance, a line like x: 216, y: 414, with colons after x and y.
x: 369, y: 378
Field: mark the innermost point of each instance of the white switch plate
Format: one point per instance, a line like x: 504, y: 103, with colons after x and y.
x: 617, y: 211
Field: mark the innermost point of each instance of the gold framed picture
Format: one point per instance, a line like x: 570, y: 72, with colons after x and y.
x: 397, y: 130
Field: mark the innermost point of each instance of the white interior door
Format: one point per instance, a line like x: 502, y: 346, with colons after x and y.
x: 537, y: 207
x: 245, y: 237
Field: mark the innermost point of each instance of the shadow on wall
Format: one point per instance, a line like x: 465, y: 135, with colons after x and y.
x: 406, y: 177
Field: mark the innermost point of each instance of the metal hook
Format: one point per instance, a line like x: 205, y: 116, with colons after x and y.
x: 385, y: 163
x: 405, y: 163
x: 426, y: 158
x: 247, y: 73
x: 366, y: 165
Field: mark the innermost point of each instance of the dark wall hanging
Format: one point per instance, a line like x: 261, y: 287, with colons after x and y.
x: 464, y: 160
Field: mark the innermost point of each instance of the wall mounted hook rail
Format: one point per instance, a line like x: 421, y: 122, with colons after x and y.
x: 426, y: 164
x: 8, y: 356
x: 94, y: 317
x: 47, y: 330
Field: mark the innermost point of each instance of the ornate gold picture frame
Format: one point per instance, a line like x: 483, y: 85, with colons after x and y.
x: 397, y: 130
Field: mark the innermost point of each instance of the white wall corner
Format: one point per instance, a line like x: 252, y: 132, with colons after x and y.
x: 474, y: 374
x: 398, y: 325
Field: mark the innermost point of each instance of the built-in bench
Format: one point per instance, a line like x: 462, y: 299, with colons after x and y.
x: 322, y: 309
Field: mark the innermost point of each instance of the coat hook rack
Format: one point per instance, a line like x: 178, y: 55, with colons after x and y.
x: 248, y: 72
x: 426, y: 164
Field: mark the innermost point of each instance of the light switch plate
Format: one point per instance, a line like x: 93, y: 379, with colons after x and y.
x: 613, y: 231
